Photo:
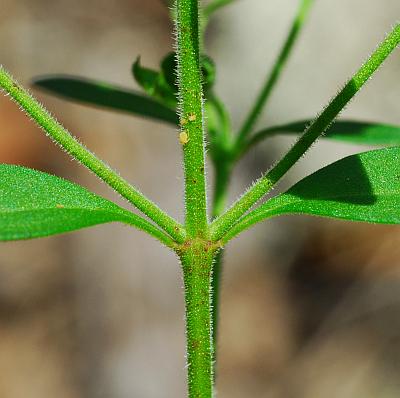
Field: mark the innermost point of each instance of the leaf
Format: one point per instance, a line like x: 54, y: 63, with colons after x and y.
x: 35, y: 204
x: 346, y: 130
x: 106, y: 95
x: 154, y: 84
x: 362, y: 187
x: 147, y: 78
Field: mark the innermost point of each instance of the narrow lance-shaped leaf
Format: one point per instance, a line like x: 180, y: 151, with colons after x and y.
x: 35, y: 204
x: 362, y: 187
x: 106, y: 95
x: 343, y: 130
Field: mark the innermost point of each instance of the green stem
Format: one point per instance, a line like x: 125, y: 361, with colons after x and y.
x: 275, y: 73
x: 62, y: 137
x: 196, y: 253
x: 222, y: 224
x: 192, y: 120
x: 197, y: 267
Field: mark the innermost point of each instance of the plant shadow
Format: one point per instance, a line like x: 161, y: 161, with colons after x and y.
x: 345, y: 181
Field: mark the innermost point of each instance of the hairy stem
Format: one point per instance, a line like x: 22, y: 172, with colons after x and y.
x: 196, y: 253
x: 220, y: 226
x: 197, y: 268
x: 191, y: 113
x: 275, y: 73
x: 71, y: 145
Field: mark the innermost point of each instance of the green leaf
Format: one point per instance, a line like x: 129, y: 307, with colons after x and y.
x: 346, y: 130
x: 106, y: 95
x: 147, y: 78
x: 362, y: 187
x: 35, y: 204
x: 154, y: 84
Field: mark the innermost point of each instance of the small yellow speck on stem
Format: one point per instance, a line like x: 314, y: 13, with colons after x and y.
x: 192, y: 117
x: 183, y: 122
x: 183, y: 137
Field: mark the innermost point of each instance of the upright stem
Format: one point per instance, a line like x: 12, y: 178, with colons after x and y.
x: 197, y: 268
x: 197, y: 252
x: 275, y: 73
x: 192, y: 118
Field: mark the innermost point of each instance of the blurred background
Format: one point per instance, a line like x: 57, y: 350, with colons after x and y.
x: 310, y: 307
